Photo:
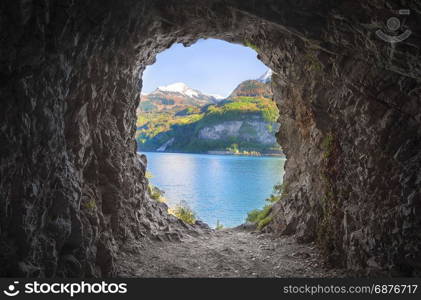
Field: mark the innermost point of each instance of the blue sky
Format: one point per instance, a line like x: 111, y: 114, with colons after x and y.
x: 211, y: 66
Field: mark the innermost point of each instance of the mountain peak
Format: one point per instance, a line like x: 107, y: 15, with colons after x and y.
x: 175, y: 95
x: 179, y: 87
x: 252, y: 88
x: 265, y: 77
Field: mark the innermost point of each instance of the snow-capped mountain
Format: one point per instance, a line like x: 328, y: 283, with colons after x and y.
x: 179, y: 87
x: 176, y: 95
x: 267, y: 77
x: 182, y: 88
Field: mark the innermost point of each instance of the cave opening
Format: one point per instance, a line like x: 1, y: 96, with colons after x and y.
x: 207, y: 124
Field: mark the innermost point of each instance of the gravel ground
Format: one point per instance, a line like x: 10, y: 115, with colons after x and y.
x: 225, y: 253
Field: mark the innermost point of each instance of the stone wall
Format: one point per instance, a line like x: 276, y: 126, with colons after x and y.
x: 73, y: 188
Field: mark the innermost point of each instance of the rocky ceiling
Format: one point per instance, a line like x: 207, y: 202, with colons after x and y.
x: 73, y: 188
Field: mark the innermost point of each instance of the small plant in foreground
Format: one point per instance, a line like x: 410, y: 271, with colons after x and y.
x: 251, y: 45
x: 156, y: 193
x: 265, y: 221
x: 256, y: 215
x: 327, y: 145
x: 91, y: 204
x: 261, y: 217
x: 183, y: 212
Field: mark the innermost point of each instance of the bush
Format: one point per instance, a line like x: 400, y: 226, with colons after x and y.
x: 233, y: 148
x: 262, y: 223
x: 251, y: 45
x: 277, y: 193
x: 256, y: 215
x: 328, y: 145
x: 184, y: 213
x: 219, y: 226
x: 91, y: 204
x: 153, y: 191
x: 156, y: 193
x: 261, y: 217
x: 253, y: 216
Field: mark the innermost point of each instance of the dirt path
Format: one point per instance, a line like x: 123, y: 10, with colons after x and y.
x: 226, y: 253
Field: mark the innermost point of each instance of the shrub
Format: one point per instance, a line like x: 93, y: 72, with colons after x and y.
x: 219, y: 226
x: 233, y: 148
x: 277, y: 193
x: 148, y: 175
x: 256, y: 215
x: 261, y: 217
x: 91, y: 204
x: 327, y: 145
x: 265, y: 221
x: 156, y: 193
x: 253, y: 215
x: 184, y: 213
x: 251, y: 45
x: 153, y: 191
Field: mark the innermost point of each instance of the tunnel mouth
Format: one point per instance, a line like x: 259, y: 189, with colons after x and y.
x: 180, y: 128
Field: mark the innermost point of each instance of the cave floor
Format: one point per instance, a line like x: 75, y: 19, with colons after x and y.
x: 225, y: 253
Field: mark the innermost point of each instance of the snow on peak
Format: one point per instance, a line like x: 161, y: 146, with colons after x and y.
x: 216, y: 96
x: 266, y: 77
x: 179, y: 87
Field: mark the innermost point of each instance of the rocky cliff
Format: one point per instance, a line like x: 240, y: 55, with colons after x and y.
x: 204, y: 132
x: 255, y: 131
x: 73, y: 188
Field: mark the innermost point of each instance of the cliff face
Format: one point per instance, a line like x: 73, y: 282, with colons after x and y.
x: 249, y: 132
x: 256, y: 131
x: 73, y: 188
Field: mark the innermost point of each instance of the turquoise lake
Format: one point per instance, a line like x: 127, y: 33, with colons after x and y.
x: 216, y: 187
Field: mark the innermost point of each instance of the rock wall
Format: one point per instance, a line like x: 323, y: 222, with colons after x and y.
x: 73, y: 189
x: 350, y: 127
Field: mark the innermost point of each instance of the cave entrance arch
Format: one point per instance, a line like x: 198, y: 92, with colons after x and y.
x: 74, y: 186
x: 180, y: 112
x: 292, y: 57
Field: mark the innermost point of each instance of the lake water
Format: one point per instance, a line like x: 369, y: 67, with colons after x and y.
x: 216, y: 187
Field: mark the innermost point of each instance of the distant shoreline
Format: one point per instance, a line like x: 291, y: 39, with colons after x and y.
x: 251, y: 153
x: 227, y: 153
